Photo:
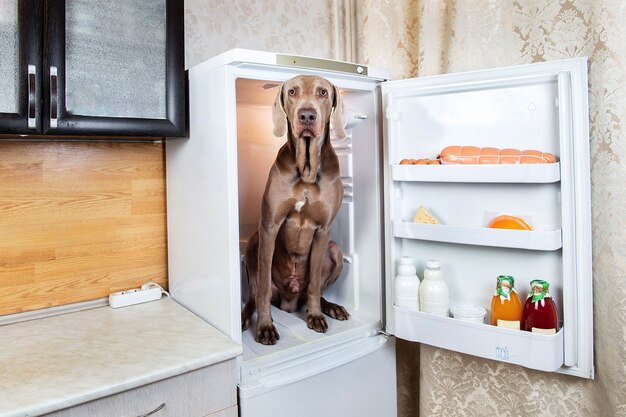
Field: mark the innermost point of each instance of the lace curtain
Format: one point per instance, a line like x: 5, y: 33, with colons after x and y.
x: 427, y: 37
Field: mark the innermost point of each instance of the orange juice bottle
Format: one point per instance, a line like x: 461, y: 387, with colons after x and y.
x: 506, y: 307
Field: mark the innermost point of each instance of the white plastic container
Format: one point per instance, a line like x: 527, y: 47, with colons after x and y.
x: 434, y: 294
x: 469, y: 312
x: 406, y: 285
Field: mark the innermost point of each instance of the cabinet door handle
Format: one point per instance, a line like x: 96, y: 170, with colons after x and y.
x: 32, y: 95
x: 54, y: 97
x: 156, y: 410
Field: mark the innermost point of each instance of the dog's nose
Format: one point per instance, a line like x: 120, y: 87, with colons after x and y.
x: 307, y: 116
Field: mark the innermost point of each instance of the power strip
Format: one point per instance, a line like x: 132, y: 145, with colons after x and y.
x: 147, y: 292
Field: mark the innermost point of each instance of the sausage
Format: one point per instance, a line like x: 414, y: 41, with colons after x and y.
x: 424, y: 161
x: 475, y: 155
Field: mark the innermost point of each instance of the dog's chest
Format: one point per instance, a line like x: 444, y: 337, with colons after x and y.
x: 308, y: 213
x: 313, y: 205
x: 298, y: 233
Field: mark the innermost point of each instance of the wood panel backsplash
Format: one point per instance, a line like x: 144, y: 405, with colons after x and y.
x: 79, y: 221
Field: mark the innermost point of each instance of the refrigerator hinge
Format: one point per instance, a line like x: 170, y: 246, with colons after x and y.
x: 384, y: 333
x: 392, y: 115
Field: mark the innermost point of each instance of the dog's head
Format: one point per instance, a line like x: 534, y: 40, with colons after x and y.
x: 307, y: 108
x: 306, y: 105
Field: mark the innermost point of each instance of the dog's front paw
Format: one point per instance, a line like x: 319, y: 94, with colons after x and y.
x: 266, y: 334
x: 317, y: 322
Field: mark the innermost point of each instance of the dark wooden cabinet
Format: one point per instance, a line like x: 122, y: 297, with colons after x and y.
x: 21, y: 24
x: 92, y: 68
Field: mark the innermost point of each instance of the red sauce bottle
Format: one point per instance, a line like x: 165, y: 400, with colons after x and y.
x: 540, y: 315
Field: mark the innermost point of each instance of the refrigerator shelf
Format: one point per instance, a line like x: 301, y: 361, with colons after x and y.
x: 531, y: 350
x: 505, y: 173
x: 482, y: 236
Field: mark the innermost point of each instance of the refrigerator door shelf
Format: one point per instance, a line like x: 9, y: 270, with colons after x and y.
x: 519, y: 173
x: 531, y: 350
x: 517, y: 239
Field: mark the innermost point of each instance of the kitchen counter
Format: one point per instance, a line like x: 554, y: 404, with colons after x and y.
x: 56, y: 362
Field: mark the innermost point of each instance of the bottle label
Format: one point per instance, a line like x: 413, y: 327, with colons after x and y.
x: 543, y: 331
x: 509, y: 324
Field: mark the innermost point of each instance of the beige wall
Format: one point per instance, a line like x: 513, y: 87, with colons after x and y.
x: 319, y: 28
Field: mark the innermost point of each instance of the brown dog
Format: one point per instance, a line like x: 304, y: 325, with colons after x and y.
x: 291, y: 260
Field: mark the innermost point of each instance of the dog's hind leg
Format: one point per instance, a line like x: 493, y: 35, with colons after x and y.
x: 332, y: 267
x: 251, y: 270
x: 334, y: 310
x: 247, y: 312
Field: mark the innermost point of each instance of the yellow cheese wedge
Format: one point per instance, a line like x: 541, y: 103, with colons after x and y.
x: 424, y: 217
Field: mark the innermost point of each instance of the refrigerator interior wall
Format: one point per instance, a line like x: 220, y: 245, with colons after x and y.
x: 530, y: 111
x: 356, y: 228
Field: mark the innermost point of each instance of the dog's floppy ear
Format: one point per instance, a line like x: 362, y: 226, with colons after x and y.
x: 337, y: 124
x: 278, y: 114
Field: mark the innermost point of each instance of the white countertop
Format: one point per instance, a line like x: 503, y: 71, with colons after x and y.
x: 56, y: 362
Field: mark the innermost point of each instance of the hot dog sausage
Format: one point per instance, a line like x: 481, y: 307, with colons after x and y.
x: 475, y: 155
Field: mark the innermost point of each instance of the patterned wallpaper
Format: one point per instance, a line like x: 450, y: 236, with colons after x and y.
x: 293, y: 27
x: 441, y: 36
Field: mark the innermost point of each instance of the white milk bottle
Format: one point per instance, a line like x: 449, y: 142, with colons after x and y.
x: 434, y: 294
x: 406, y: 285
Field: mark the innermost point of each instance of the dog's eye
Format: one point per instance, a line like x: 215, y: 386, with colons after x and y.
x: 291, y: 92
x: 323, y: 92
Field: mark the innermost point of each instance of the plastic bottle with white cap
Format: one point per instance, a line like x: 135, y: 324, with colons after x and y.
x: 434, y: 294
x: 406, y: 285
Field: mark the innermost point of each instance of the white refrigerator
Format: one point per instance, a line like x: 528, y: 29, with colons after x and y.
x: 217, y: 174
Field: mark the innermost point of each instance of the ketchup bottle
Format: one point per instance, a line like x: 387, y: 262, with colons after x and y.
x: 540, y: 315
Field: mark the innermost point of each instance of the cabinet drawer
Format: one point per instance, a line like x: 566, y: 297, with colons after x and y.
x: 194, y: 394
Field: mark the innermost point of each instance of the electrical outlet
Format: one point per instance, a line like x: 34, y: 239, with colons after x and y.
x: 135, y: 296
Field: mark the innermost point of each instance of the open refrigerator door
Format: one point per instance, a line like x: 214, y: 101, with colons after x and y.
x: 533, y: 107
